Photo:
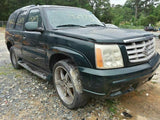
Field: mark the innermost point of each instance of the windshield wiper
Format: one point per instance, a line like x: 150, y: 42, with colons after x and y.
x: 94, y: 25
x: 70, y: 25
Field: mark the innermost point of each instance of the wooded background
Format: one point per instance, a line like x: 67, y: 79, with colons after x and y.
x: 132, y: 13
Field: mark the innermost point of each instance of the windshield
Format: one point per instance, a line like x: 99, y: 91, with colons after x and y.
x: 71, y: 17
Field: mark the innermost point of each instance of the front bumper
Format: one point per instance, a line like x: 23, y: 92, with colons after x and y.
x: 115, y: 82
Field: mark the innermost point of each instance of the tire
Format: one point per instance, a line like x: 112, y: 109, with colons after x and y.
x: 14, y: 59
x: 68, y: 85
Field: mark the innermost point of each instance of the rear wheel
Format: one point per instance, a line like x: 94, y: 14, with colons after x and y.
x: 14, y: 59
x: 68, y: 85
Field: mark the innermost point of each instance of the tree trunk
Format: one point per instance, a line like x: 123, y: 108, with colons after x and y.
x: 136, y: 12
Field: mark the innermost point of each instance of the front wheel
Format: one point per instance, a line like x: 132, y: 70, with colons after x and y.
x: 68, y: 85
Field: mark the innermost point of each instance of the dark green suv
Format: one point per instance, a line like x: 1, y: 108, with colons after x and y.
x: 80, y: 54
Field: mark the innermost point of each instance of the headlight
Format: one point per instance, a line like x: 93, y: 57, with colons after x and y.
x: 108, y: 56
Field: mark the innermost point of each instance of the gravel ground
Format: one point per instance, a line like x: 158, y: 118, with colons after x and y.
x: 25, y: 96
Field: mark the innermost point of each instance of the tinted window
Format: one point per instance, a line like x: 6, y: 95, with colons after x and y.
x: 20, y: 21
x: 11, y: 21
x: 35, y: 16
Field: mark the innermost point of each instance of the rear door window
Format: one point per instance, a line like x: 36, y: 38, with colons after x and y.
x: 20, y: 21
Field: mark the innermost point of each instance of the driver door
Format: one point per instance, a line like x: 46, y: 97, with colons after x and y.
x: 34, y: 42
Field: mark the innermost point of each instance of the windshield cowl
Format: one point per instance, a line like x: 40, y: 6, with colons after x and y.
x: 70, y: 25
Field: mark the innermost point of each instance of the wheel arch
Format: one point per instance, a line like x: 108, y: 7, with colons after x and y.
x: 9, y: 45
x: 57, y: 57
x: 59, y: 53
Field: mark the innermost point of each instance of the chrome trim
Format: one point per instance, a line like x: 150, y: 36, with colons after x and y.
x: 139, y: 51
x: 137, y: 39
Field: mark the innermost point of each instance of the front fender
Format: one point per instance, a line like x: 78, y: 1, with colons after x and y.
x: 76, y: 56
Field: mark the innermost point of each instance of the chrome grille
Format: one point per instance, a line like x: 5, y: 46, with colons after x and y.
x: 140, y: 49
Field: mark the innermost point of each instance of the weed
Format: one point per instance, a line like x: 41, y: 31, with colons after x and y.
x: 112, y: 107
x: 153, y: 82
x: 3, y: 73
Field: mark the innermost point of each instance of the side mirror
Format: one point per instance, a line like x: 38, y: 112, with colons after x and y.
x: 33, y: 26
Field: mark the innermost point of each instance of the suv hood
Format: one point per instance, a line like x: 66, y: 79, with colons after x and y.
x: 101, y: 34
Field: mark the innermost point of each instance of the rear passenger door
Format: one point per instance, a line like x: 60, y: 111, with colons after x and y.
x: 34, y: 44
x: 18, y: 32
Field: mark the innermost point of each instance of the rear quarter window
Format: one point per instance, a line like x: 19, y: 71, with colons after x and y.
x: 11, y: 21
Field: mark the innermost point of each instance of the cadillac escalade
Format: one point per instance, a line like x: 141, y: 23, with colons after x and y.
x: 79, y: 53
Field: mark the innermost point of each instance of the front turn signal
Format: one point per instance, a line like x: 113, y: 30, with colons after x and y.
x: 99, y: 60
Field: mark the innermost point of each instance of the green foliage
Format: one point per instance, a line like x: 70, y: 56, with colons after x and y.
x: 112, y: 107
x: 136, y: 13
x: 158, y: 24
x: 151, y: 19
x: 131, y: 27
x: 133, y: 13
x: 101, y: 9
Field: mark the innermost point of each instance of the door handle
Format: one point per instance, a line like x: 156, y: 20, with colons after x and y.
x: 42, y: 43
x: 24, y: 37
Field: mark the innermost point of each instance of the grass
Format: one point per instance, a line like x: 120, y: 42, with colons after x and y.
x: 3, y: 73
x: 112, y: 107
x: 7, y: 69
x: 153, y: 82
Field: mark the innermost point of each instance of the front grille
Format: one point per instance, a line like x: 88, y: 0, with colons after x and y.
x: 140, y: 49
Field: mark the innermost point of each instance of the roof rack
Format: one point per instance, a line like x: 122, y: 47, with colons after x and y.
x: 28, y: 6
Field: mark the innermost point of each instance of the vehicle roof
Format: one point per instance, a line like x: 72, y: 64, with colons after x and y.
x: 45, y: 6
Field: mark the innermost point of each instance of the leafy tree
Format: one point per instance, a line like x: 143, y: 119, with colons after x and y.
x: 156, y: 12
x: 138, y: 12
x: 151, y: 19
x: 134, y: 4
x: 101, y: 8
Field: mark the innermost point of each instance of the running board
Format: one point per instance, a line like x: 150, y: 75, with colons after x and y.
x: 38, y: 73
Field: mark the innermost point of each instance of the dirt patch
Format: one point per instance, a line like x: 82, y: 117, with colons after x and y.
x: 2, y: 30
x: 144, y: 103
